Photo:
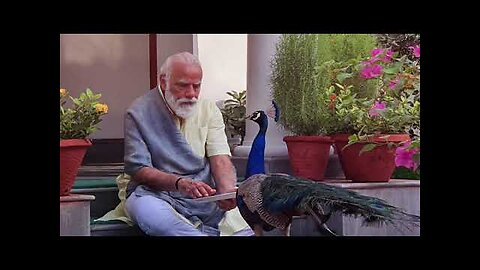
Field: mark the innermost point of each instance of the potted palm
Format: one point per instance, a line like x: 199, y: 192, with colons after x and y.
x: 233, y: 112
x: 381, y: 125
x: 76, y: 123
x: 303, y: 69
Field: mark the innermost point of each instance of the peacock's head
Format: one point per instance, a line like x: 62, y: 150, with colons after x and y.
x: 258, y: 116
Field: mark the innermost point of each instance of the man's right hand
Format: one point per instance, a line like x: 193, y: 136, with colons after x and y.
x: 194, y: 189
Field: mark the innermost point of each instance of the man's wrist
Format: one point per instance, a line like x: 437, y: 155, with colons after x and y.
x: 177, y: 182
x: 226, y: 188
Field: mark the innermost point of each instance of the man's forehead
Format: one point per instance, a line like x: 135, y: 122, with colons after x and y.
x: 182, y: 65
x: 186, y: 81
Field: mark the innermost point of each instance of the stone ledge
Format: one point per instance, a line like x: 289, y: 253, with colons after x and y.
x: 393, y: 183
x: 77, y: 198
x: 75, y: 214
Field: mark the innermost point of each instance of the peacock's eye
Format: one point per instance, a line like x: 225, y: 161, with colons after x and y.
x: 255, y: 116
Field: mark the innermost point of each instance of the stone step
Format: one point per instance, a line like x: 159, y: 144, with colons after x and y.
x: 114, y: 228
x: 103, y: 188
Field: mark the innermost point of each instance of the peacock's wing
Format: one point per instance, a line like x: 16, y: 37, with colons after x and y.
x: 284, y: 194
x: 250, y: 193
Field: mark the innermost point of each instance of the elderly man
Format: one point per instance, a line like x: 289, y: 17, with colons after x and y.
x: 175, y: 144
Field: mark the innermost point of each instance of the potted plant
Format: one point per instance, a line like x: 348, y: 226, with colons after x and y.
x: 302, y: 72
x: 382, y: 124
x: 76, y: 124
x: 233, y: 112
x: 407, y: 157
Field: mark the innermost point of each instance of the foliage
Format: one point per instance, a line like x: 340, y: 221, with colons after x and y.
x: 399, y: 43
x: 82, y: 118
x: 395, y: 108
x: 404, y: 173
x: 233, y: 112
x: 345, y: 108
x: 303, y: 69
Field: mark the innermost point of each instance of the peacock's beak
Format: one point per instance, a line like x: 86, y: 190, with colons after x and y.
x: 248, y: 116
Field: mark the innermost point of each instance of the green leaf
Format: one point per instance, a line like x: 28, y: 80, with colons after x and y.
x: 76, y: 101
x: 342, y: 76
x: 233, y: 95
x: 367, y: 147
x: 339, y: 86
x: 353, y: 138
x: 416, y: 157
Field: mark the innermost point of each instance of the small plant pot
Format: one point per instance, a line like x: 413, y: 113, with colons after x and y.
x: 309, y: 155
x: 376, y: 165
x: 71, y: 156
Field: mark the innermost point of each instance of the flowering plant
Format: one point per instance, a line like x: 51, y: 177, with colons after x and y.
x: 393, y: 108
x: 80, y: 120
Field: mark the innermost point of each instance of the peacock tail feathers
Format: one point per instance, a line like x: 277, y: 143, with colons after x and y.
x: 284, y: 193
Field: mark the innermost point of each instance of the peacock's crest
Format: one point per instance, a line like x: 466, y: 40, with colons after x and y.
x: 274, y: 111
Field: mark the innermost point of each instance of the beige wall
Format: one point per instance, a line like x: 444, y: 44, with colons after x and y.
x: 171, y: 44
x: 116, y: 66
x: 224, y: 62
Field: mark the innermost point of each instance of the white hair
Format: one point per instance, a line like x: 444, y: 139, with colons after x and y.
x: 183, y: 57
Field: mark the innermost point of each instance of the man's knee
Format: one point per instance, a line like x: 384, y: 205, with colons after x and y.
x: 148, y: 213
x: 153, y: 227
x: 156, y: 217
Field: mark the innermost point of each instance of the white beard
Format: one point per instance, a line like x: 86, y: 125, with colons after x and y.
x: 182, y: 107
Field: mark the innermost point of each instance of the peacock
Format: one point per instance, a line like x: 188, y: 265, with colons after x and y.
x: 269, y: 201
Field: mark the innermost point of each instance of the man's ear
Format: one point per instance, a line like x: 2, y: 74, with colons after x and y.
x: 163, y: 82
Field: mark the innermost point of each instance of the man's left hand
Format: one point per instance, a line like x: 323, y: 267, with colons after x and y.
x: 228, y: 204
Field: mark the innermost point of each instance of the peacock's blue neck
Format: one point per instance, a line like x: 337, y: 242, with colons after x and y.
x: 256, y: 157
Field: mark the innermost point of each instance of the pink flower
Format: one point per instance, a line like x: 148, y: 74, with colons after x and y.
x: 376, y: 52
x: 373, y: 71
x: 369, y: 62
x: 393, y: 83
x: 416, y: 50
x: 388, y: 56
x: 379, y: 106
x: 404, y: 157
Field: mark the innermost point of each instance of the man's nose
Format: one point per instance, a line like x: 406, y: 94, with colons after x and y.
x: 190, y: 92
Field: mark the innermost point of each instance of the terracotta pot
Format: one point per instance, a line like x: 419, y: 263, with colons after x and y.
x: 309, y: 155
x: 376, y: 165
x: 71, y: 156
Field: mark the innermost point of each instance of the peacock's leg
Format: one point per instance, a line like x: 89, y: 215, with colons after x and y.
x: 319, y: 220
x: 286, y: 232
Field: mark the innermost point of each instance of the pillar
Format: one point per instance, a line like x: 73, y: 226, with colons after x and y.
x: 260, y: 52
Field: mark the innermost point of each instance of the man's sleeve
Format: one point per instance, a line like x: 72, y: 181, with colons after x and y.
x: 136, y: 155
x: 216, y: 138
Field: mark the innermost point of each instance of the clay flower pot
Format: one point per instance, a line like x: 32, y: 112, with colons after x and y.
x: 309, y: 155
x: 376, y: 165
x: 72, y: 152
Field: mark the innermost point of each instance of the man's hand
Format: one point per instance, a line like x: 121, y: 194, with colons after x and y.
x: 225, y: 179
x: 228, y: 204
x: 194, y: 189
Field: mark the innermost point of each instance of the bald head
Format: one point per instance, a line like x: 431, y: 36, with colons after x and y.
x: 177, y: 59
